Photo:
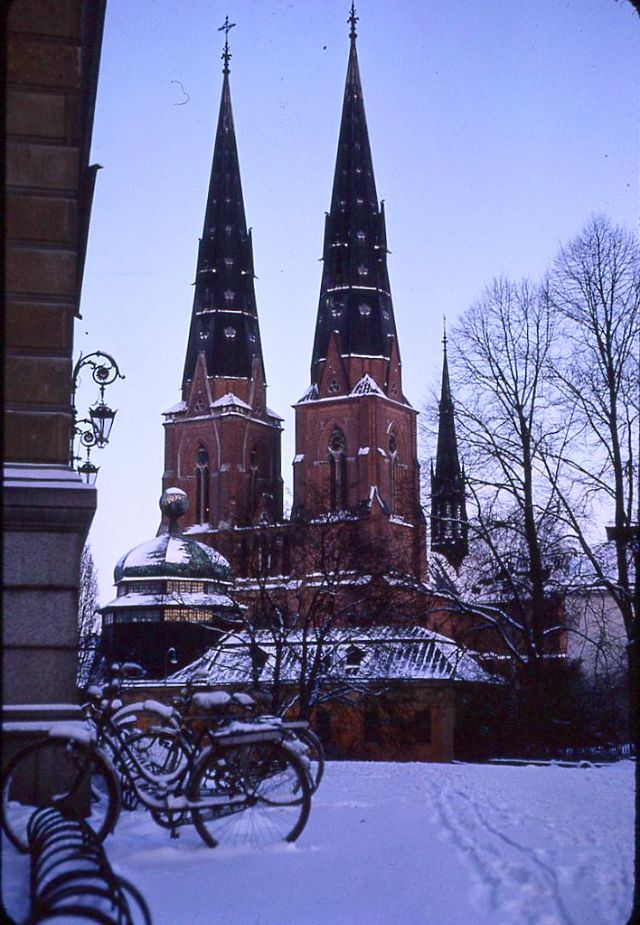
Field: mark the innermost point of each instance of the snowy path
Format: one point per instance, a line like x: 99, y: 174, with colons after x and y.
x: 415, y: 844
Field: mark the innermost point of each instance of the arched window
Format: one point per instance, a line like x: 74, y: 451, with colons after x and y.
x: 338, y: 470
x: 202, y: 511
x: 254, y: 471
x: 393, y: 472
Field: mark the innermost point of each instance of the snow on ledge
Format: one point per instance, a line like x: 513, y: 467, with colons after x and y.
x: 311, y: 393
x: 178, y: 408
x: 230, y: 400
x: 34, y: 475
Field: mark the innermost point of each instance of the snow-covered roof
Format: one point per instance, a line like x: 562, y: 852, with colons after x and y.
x: 170, y: 555
x: 230, y: 400
x: 194, y: 599
x: 310, y: 394
x: 177, y: 408
x: 382, y: 653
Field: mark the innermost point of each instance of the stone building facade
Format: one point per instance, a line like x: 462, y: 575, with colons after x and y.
x: 53, y: 53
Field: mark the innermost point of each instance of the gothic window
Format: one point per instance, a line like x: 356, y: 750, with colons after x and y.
x: 337, y: 471
x: 202, y: 511
x: 362, y: 270
x: 364, y: 309
x: 253, y: 481
x: 228, y: 261
x: 361, y: 236
x: 393, y: 471
x: 230, y: 332
x: 228, y: 229
x: 199, y: 402
x: 229, y: 295
x: 333, y: 385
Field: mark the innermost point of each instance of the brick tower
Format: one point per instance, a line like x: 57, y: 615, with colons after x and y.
x: 356, y: 441
x: 222, y: 443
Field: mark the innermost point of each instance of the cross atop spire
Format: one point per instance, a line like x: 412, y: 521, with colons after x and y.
x: 224, y: 323
x: 226, y: 27
x: 353, y: 19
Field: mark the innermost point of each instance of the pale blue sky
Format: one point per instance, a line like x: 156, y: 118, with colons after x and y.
x: 497, y: 127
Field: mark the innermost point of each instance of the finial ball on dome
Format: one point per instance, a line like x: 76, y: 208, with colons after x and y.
x: 174, y: 503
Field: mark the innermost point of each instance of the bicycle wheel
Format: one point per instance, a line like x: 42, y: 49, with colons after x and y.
x: 262, y: 792
x: 311, y: 753
x: 164, y: 755
x: 60, y: 772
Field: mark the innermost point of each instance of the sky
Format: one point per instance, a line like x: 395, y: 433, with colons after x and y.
x: 496, y: 128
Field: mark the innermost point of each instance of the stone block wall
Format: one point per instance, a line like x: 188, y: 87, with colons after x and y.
x: 53, y: 52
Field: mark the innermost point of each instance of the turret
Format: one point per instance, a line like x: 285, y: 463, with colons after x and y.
x: 449, y: 526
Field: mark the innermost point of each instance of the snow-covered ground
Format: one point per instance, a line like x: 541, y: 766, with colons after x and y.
x: 416, y: 844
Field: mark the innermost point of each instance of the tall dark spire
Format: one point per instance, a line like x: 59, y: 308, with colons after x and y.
x: 224, y: 322
x: 449, y: 528
x: 355, y: 297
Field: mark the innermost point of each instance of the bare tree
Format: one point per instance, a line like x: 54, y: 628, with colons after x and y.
x: 301, y: 622
x: 499, y: 366
x: 88, y: 618
x: 594, y: 288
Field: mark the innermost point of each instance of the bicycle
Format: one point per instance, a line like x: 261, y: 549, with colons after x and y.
x: 243, y: 787
x: 196, y: 713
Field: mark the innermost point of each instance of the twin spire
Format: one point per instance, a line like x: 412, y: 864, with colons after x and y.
x: 224, y: 322
x: 355, y: 296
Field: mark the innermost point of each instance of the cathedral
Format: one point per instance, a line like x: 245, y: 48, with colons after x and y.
x: 343, y: 578
x: 356, y: 459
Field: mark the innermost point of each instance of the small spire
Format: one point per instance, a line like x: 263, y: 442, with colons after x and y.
x: 444, y: 334
x: 353, y: 19
x: 226, y: 27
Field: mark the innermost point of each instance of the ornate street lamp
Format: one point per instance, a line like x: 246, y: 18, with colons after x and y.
x: 88, y: 471
x: 94, y: 430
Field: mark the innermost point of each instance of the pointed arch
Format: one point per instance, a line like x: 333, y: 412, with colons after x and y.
x: 254, y: 475
x: 337, y: 452
x: 394, y: 488
x: 203, y: 510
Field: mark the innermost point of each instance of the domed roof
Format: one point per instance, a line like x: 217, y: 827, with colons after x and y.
x: 172, y: 555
